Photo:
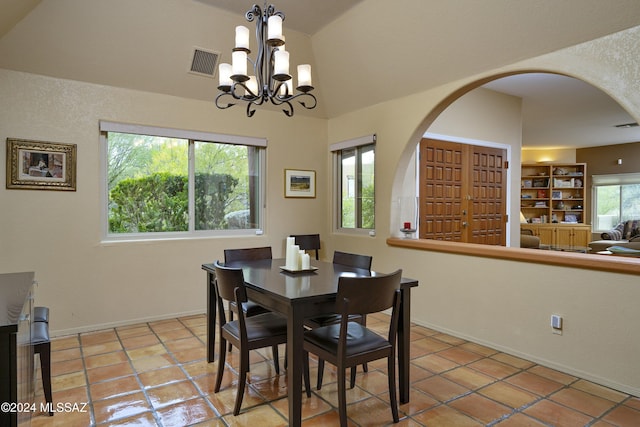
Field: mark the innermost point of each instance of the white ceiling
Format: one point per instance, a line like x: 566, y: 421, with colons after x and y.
x: 297, y: 12
x: 363, y: 51
x: 563, y: 112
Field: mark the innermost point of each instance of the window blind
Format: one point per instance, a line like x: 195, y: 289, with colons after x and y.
x: 351, y: 143
x: 107, y: 126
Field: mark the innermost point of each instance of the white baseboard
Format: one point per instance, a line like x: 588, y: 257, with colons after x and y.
x: 100, y: 326
x: 625, y: 388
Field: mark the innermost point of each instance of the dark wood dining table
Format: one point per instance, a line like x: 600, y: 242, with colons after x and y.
x: 300, y: 295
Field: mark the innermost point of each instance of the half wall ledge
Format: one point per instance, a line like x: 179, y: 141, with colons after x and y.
x: 609, y: 263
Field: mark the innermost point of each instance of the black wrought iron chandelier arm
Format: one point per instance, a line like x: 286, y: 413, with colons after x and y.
x: 310, y: 95
x: 278, y: 98
x: 222, y: 106
x: 253, y: 13
x: 271, y: 67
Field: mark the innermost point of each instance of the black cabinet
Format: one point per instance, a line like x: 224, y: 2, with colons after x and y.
x: 16, y: 352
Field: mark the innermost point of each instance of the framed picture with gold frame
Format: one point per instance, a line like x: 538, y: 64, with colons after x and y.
x: 299, y: 183
x: 39, y: 165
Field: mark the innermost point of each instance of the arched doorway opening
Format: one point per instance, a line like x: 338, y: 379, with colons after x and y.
x: 407, y: 197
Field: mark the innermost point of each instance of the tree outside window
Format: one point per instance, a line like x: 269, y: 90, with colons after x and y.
x: 357, y: 187
x: 615, y: 204
x: 153, y: 187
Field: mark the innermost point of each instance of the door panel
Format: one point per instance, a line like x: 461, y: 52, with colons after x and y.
x: 441, y: 190
x: 488, y: 213
x: 462, y: 193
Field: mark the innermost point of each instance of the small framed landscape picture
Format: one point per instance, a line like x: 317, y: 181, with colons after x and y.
x: 299, y: 183
x: 38, y: 165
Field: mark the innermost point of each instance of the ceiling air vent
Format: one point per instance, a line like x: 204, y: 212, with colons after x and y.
x: 627, y: 125
x: 204, y: 62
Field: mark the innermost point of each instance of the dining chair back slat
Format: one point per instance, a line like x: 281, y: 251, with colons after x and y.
x: 308, y: 242
x: 352, y: 260
x: 228, y: 280
x: 362, y: 300
x: 247, y: 254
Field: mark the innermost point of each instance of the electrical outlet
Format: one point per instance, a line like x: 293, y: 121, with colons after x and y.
x: 556, y: 324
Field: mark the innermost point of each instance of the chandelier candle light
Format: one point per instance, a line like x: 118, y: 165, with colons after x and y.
x: 271, y: 81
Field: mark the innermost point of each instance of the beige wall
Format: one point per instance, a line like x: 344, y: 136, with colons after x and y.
x: 530, y: 155
x: 508, y: 304
x: 89, y: 284
x: 604, y: 161
x: 504, y: 304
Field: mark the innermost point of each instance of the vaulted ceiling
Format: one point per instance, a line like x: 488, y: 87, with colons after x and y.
x: 362, y: 51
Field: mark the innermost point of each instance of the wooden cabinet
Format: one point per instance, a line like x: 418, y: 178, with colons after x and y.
x: 553, y: 193
x: 573, y: 236
x: 16, y: 357
x: 561, y: 234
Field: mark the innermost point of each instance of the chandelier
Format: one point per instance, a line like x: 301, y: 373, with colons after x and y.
x: 271, y: 81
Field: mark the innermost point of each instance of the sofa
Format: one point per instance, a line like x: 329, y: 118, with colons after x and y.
x: 626, y: 235
x: 528, y: 240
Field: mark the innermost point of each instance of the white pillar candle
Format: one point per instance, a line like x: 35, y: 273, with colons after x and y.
x: 281, y: 65
x: 300, y: 255
x: 286, y: 88
x: 242, y: 37
x: 274, y: 25
x: 224, y: 74
x: 304, y: 75
x: 239, y: 63
x: 290, y: 242
x: 289, y: 261
x: 295, y: 254
x: 252, y: 84
x: 288, y: 247
x: 306, y: 261
x: 292, y: 257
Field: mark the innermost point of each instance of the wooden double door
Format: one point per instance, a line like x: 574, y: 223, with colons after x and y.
x: 462, y: 192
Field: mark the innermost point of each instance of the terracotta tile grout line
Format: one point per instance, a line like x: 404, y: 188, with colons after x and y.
x: 92, y: 414
x: 136, y: 374
x: 191, y: 379
x: 514, y: 411
x: 202, y: 393
x: 521, y: 370
x: 181, y: 367
x: 407, y: 416
x: 85, y: 371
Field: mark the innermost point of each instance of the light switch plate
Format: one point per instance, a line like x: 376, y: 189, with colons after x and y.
x: 556, y: 321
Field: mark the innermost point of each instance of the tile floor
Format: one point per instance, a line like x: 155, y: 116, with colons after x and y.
x: 155, y: 374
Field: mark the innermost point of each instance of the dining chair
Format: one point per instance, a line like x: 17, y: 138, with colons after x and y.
x: 350, y: 260
x: 250, y: 308
x: 247, y: 333
x: 308, y: 242
x: 350, y: 343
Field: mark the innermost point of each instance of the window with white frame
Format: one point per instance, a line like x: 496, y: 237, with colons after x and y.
x: 355, y: 183
x: 163, y: 182
x: 616, y: 198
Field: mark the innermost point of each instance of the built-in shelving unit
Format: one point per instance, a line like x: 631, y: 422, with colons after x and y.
x: 553, y: 193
